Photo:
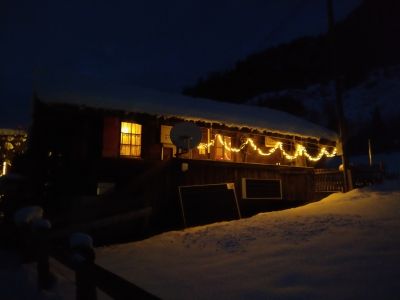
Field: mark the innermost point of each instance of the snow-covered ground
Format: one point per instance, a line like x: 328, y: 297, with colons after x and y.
x: 16, y: 281
x: 346, y: 246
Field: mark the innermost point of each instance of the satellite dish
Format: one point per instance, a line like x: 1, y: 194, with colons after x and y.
x: 186, y: 135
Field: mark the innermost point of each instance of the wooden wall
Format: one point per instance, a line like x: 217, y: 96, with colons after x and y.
x: 297, y: 184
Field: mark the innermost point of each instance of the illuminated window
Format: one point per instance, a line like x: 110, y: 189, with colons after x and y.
x: 221, y: 152
x: 205, y: 140
x: 131, y: 139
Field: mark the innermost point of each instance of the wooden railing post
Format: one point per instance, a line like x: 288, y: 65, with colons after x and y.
x: 33, y: 242
x: 40, y: 228
x: 23, y: 219
x: 83, y: 257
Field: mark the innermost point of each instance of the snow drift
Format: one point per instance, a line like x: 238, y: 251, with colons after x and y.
x: 346, y: 246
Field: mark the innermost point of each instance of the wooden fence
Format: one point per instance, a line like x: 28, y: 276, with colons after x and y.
x: 36, y: 244
x: 366, y: 175
x: 329, y: 180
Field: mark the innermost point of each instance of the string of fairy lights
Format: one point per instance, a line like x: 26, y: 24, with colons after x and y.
x: 300, y: 149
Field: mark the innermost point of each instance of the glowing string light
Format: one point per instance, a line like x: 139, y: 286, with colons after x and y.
x: 300, y: 149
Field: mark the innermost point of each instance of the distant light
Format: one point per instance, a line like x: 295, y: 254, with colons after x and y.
x: 4, y: 168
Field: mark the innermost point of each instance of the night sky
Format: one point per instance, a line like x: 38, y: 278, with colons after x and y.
x: 159, y: 44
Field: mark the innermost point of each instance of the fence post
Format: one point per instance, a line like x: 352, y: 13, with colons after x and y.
x: 23, y: 219
x: 83, y: 257
x: 40, y: 228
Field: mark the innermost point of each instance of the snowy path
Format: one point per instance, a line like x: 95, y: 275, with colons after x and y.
x: 346, y: 246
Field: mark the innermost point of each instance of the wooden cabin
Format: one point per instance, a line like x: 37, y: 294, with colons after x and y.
x: 93, y: 140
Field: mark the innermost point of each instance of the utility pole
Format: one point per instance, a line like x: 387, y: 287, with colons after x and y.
x: 369, y: 153
x: 338, y: 93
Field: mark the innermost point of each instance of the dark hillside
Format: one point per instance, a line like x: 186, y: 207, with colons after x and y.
x: 367, y: 39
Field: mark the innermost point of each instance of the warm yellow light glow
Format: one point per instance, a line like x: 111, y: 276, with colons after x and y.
x: 223, y: 147
x: 131, y: 139
x: 125, y: 127
x: 202, y: 151
x: 300, y: 149
x: 4, y: 172
x: 166, y: 134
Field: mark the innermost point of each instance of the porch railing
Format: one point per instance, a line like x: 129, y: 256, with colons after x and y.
x: 328, y: 180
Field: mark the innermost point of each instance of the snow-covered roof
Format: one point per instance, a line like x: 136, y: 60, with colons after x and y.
x: 134, y: 99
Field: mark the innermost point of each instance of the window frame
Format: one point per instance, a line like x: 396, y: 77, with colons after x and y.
x: 135, y: 140
x: 225, y: 153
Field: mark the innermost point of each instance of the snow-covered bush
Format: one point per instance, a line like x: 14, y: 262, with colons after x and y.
x: 82, y: 246
x: 41, y: 224
x: 80, y: 240
x: 28, y: 214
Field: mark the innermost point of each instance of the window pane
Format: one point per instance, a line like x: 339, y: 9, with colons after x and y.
x: 125, y: 150
x: 125, y: 138
x: 228, y: 155
x: 135, y: 151
x: 136, y: 128
x: 219, y: 153
x: 126, y: 127
x: 165, y: 134
x: 136, y: 140
x: 228, y: 142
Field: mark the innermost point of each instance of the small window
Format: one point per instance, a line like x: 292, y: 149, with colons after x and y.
x: 131, y: 139
x: 221, y: 145
x: 166, y: 134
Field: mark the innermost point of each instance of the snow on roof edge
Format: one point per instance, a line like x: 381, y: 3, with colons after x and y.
x: 119, y: 97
